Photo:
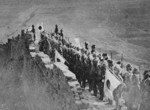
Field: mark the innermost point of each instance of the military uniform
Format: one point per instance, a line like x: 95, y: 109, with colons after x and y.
x: 93, y: 76
x: 84, y: 72
x: 145, y: 103
x: 101, y: 81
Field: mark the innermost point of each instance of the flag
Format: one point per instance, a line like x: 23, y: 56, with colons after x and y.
x: 58, y: 56
x: 77, y: 42
x: 42, y: 25
x: 111, y: 83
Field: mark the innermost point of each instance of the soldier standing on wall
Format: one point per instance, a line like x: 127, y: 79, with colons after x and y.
x: 93, y: 49
x: 56, y: 29
x: 62, y: 36
x: 33, y: 30
x: 61, y: 33
x: 101, y: 87
x: 93, y: 75
x: 86, y: 46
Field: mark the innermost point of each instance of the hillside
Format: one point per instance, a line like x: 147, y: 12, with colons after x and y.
x: 106, y: 23
x: 117, y: 26
x: 25, y: 83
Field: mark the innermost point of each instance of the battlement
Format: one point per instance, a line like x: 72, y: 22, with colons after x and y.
x: 39, y: 77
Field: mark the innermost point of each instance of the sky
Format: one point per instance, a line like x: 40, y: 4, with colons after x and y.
x: 117, y: 25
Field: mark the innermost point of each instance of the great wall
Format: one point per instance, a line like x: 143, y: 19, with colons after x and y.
x: 31, y: 81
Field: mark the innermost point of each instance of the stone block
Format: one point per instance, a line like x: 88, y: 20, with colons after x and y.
x: 33, y: 54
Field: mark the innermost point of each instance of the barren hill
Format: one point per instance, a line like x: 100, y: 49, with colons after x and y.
x: 25, y: 83
x: 118, y: 25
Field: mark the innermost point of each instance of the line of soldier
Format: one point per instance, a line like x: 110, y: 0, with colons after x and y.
x: 89, y: 68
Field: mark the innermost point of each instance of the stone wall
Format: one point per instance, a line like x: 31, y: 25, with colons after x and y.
x: 31, y: 83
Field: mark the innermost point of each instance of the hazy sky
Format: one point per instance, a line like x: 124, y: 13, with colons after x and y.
x: 108, y: 23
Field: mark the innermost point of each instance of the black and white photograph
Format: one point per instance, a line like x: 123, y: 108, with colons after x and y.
x: 74, y: 54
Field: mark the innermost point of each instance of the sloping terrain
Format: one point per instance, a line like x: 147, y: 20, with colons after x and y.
x: 106, y: 23
x: 25, y: 83
x: 121, y: 26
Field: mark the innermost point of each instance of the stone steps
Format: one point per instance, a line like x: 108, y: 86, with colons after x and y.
x: 83, y: 98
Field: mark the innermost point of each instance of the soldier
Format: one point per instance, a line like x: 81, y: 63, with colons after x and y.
x: 118, y: 71
x: 127, y: 76
x: 145, y: 103
x: 101, y: 81
x: 90, y: 80
x: 56, y: 29
x: 118, y: 94
x: 146, y: 74
x: 89, y: 66
x: 41, y: 44
x: 134, y: 95
x: 72, y: 61
x: 110, y: 64
x: 136, y: 74
x: 86, y: 46
x: 85, y: 68
x: 104, y: 55
x: 93, y: 49
x: 93, y: 76
x: 61, y: 34
x: 46, y: 46
x: 75, y: 63
x: 33, y: 31
x: 78, y: 69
